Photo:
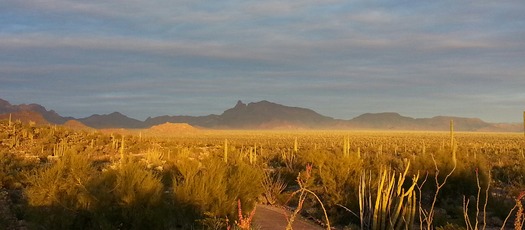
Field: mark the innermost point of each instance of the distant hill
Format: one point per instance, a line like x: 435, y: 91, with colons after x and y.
x: 112, y: 120
x: 200, y: 121
x: 74, y: 124
x: 173, y: 128
x: 383, y: 121
x: 258, y: 115
x: 460, y: 123
x: 394, y: 121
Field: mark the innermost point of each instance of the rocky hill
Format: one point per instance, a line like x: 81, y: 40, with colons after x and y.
x: 49, y: 115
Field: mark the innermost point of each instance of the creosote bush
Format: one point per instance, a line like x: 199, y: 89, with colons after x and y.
x: 214, y: 187
x: 57, y: 193
x: 70, y: 193
x: 132, y: 195
x: 336, y: 179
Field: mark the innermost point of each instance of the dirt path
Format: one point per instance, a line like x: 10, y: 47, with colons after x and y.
x: 269, y: 217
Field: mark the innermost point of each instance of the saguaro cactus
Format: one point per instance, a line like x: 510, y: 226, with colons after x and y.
x: 225, y: 150
x: 121, y: 150
x: 451, y: 134
x: 295, y: 148
x: 452, y: 142
x: 346, y: 147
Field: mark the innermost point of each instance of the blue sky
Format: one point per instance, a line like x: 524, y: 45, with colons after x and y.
x: 339, y: 58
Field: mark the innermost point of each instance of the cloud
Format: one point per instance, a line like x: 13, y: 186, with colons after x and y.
x: 427, y: 58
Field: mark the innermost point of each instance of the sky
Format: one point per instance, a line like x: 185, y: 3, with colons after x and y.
x: 339, y: 58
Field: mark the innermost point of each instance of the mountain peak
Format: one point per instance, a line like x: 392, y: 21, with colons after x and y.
x: 239, y: 105
x: 116, y: 114
x: 268, y: 114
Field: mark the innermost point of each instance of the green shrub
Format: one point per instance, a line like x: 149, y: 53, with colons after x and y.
x: 212, y: 187
x: 129, y: 196
x: 10, y: 167
x: 336, y: 179
x: 56, y: 193
x: 71, y: 194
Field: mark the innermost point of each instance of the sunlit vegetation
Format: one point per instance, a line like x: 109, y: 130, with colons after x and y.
x: 52, y: 177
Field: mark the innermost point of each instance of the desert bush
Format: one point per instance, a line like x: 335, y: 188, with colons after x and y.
x: 450, y: 226
x: 462, y: 181
x: 11, y: 167
x: 273, y: 186
x: 71, y: 194
x: 510, y: 175
x: 212, y: 187
x: 131, y: 197
x: 336, y: 179
x: 57, y: 193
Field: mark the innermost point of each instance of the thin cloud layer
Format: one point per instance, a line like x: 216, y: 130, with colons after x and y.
x: 340, y: 58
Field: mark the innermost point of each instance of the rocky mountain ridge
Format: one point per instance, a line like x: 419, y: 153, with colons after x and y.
x: 261, y: 115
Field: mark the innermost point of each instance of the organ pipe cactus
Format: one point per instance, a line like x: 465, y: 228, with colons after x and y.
x: 394, y: 206
x: 225, y: 150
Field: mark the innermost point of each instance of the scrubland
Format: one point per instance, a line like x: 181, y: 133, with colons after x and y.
x: 52, y: 177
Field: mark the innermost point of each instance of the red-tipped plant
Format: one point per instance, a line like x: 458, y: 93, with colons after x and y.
x: 244, y: 221
x: 520, y: 214
x: 303, y: 191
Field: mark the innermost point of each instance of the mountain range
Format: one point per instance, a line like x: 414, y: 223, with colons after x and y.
x: 260, y: 115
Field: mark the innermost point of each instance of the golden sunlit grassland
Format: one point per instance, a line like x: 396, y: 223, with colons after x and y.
x: 53, y: 177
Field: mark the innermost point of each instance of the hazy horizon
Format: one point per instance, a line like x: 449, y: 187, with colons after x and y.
x: 338, y: 58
